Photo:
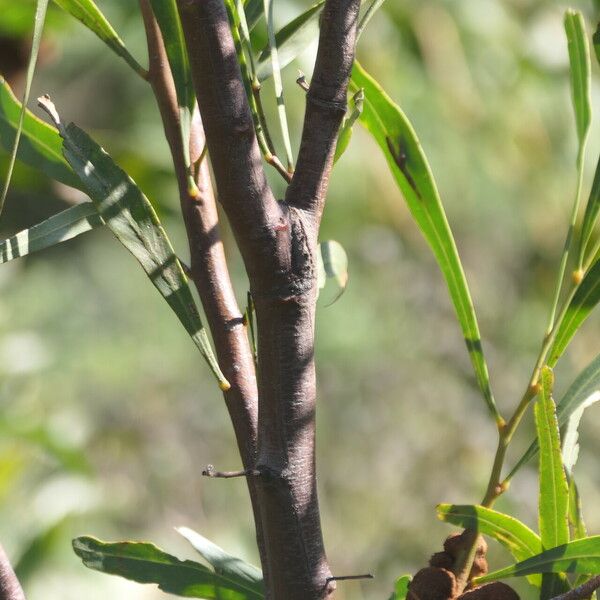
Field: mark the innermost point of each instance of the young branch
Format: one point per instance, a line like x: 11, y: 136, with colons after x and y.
x: 10, y: 588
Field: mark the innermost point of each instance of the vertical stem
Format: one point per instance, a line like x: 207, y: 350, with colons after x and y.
x: 10, y: 588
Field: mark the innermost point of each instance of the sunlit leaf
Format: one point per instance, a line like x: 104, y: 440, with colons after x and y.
x: 130, y: 216
x: 145, y: 563
x: 401, y: 588
x: 59, y: 228
x: 397, y: 139
x: 585, y: 299
x: 332, y: 265
x: 40, y: 145
x: 40, y: 18
x: 235, y: 569
x: 91, y: 16
x: 578, y: 556
x: 291, y: 40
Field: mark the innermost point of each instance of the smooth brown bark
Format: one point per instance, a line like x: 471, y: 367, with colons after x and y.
x: 10, y: 588
x: 278, y: 244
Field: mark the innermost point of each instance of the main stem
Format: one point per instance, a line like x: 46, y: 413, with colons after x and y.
x: 10, y: 589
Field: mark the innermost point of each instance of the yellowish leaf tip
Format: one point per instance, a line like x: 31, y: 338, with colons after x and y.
x: 577, y: 276
x: 224, y: 385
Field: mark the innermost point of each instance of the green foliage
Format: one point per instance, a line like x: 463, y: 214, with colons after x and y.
x: 401, y: 588
x: 130, y: 216
x: 397, y: 139
x: 145, y: 563
x: 332, y: 266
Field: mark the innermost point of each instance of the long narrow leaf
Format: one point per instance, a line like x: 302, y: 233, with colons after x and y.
x: 515, y: 536
x: 40, y: 18
x: 578, y: 556
x: 145, y: 563
x: 235, y: 569
x: 554, y: 491
x: 590, y: 217
x: 291, y: 40
x: 586, y: 385
x: 40, y: 145
x: 585, y: 299
x: 397, y: 139
x: 91, y: 16
x: 130, y: 216
x: 59, y: 228
x: 254, y: 12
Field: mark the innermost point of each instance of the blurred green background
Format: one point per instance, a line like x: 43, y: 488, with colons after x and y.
x: 108, y: 413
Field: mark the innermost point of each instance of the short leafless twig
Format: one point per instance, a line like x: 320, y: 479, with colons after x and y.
x: 585, y: 590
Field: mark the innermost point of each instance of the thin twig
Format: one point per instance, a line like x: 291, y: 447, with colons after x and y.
x: 349, y: 577
x: 302, y: 82
x: 585, y: 590
x: 211, y: 472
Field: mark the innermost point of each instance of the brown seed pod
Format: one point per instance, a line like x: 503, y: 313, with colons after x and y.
x: 491, y: 591
x: 442, y: 560
x: 432, y: 583
x: 456, y: 542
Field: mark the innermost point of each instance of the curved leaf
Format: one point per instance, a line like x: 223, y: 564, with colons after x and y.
x: 91, y: 16
x: 130, y: 216
x: 397, y: 139
x: 40, y: 145
x: 145, y: 563
x: 401, y: 588
x: 585, y: 299
x: 235, y: 569
x: 345, y: 134
x: 578, y: 556
x: 40, y: 18
x: 291, y: 40
x: 59, y: 228
x: 332, y: 264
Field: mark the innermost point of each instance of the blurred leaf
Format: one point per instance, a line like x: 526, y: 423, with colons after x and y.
x: 554, y: 492
x: 145, y: 563
x: 40, y: 17
x: 90, y: 15
x: 59, y: 228
x: 596, y: 41
x: 129, y: 215
x: 397, y: 139
x: 332, y: 264
x: 40, y: 144
x: 571, y: 434
x: 515, y: 536
x: 578, y: 556
x: 234, y: 569
x: 586, y: 384
x: 401, y: 588
x: 254, y: 12
x: 585, y: 299
x: 591, y: 215
x: 579, y: 58
x: 367, y: 16
x: 578, y: 528
x: 345, y: 134
x: 291, y: 40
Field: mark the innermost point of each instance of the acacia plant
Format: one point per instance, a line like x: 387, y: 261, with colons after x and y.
x: 206, y: 78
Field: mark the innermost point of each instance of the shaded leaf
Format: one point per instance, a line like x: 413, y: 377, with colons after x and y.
x: 91, y: 16
x: 578, y: 556
x: 332, y: 265
x: 245, y: 574
x: 40, y: 145
x: 590, y: 217
x: 291, y: 40
x: 585, y: 299
x: 130, y: 216
x: 586, y: 384
x: 40, y: 18
x: 254, y: 11
x: 345, y: 134
x: 145, y: 563
x: 578, y: 529
x: 397, y: 139
x: 59, y: 228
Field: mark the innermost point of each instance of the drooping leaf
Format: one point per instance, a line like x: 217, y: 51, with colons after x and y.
x: 59, y: 228
x: 586, y: 384
x: 401, y: 588
x: 234, y: 569
x: 291, y: 40
x: 40, y: 18
x: 40, y: 145
x: 554, y: 491
x: 585, y: 299
x: 397, y: 139
x: 145, y: 563
x: 578, y: 556
x: 579, y: 59
x: 254, y: 12
x: 91, y: 16
x: 332, y: 265
x: 130, y: 216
